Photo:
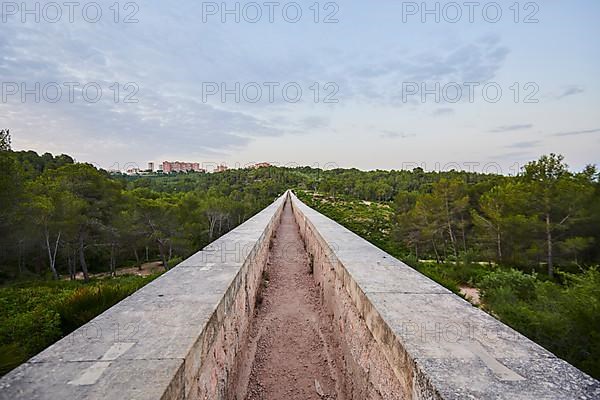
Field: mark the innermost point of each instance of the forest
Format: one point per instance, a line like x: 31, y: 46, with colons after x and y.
x: 527, y: 243
x: 546, y: 216
x: 59, y: 217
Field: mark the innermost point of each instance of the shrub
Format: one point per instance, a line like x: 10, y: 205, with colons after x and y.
x: 563, y: 319
x: 452, y: 275
x: 36, y: 314
x: 89, y: 301
x: 507, y: 285
x: 440, y: 274
x: 174, y: 261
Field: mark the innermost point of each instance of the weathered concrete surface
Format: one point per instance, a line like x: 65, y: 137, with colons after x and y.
x: 176, y: 338
x: 392, y: 318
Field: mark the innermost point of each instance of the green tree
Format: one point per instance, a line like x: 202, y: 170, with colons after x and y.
x: 132, y: 231
x: 217, y: 213
x: 406, y: 230
x: 54, y: 211
x: 427, y: 221
x: 500, y: 221
x: 558, y: 198
x: 156, y: 214
x: 98, y: 196
x: 451, y: 203
x: 574, y: 246
x: 11, y: 195
x: 436, y: 218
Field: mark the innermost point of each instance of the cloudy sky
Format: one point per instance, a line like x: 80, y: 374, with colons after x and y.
x: 362, y: 84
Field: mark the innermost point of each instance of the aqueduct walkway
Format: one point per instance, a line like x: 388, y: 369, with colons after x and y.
x: 291, y: 305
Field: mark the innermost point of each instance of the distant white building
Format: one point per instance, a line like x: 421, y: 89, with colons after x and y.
x: 133, y: 171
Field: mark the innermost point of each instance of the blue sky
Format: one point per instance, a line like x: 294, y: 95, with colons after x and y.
x: 369, y: 58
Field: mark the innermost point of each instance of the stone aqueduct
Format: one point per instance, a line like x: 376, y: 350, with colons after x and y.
x: 402, y: 335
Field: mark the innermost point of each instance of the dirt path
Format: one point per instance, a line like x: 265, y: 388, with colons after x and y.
x: 146, y: 269
x: 292, y: 354
x: 472, y: 294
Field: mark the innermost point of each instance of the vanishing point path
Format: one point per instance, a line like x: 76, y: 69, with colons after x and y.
x: 293, y: 354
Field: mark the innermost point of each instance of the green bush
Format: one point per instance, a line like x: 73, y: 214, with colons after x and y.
x: 36, y: 314
x: 565, y: 319
x: 442, y: 278
x: 453, y: 275
x: 174, y: 261
x: 87, y: 302
x: 507, y: 285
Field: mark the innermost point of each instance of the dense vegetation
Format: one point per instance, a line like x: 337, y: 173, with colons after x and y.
x: 35, y: 314
x: 58, y: 217
x: 545, y: 216
x: 529, y: 242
